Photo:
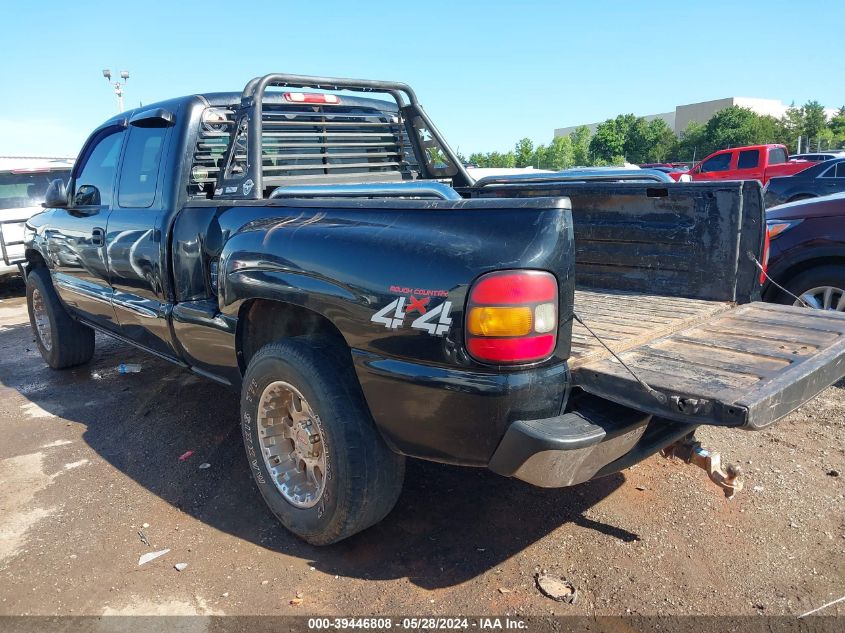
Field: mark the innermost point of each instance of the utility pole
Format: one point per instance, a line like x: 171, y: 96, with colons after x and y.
x: 118, y: 86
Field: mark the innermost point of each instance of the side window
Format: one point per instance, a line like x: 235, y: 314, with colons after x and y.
x: 722, y: 162
x: 93, y: 184
x: 830, y: 172
x: 748, y: 159
x: 840, y: 170
x: 777, y: 155
x: 139, y: 173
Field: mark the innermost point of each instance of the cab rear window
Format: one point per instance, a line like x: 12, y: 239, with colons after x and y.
x: 777, y: 155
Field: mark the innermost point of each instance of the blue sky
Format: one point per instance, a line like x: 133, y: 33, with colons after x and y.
x: 488, y: 72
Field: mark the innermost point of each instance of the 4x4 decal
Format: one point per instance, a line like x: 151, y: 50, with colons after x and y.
x: 436, y: 321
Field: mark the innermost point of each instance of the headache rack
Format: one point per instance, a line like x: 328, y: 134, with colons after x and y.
x: 5, y: 246
x: 270, y: 141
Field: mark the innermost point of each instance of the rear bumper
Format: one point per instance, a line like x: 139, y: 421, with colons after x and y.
x: 455, y: 415
x: 596, y: 439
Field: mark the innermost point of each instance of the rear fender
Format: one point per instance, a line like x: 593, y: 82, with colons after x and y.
x: 350, y: 263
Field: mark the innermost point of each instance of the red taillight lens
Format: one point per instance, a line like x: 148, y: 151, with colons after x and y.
x: 514, y: 288
x: 765, y: 263
x: 311, y: 97
x: 511, y: 350
x: 511, y: 317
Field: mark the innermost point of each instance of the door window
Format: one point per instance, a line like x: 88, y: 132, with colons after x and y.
x: 139, y: 173
x: 748, y: 159
x: 720, y: 162
x: 94, y: 183
x: 834, y: 171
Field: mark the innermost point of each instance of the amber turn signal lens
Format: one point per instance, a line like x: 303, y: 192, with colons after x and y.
x: 499, y: 321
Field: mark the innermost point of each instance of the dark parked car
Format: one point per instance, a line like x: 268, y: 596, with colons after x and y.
x: 807, y: 252
x: 817, y: 157
x: 819, y: 180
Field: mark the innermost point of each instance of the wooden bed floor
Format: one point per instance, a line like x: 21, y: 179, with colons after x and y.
x: 627, y: 319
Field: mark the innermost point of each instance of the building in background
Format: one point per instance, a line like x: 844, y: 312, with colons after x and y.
x: 702, y: 112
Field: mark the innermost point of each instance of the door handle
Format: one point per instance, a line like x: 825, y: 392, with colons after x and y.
x: 98, y: 236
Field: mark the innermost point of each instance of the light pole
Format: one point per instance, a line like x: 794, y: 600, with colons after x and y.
x: 118, y: 86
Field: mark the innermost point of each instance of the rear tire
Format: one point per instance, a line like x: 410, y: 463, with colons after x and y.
x: 817, y: 279
x: 321, y: 465
x: 62, y: 341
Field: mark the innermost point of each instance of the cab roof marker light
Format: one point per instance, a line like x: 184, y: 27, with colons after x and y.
x: 311, y: 97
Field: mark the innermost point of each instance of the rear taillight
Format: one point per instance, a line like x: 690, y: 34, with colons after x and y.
x: 765, y: 263
x: 512, y: 317
x: 311, y: 97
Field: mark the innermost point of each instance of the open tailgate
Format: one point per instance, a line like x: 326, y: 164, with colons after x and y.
x: 748, y: 366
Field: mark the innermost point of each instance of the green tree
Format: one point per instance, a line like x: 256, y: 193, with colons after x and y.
x: 560, y: 154
x: 767, y: 129
x: 539, y: 161
x: 692, y: 144
x: 477, y: 158
x: 638, y: 141
x: 649, y: 141
x: 611, y: 136
x: 837, y: 127
x: 493, y: 159
x: 662, y: 140
x: 791, y: 127
x: 497, y: 159
x: 524, y: 153
x: 580, y: 146
x: 731, y: 127
x: 815, y: 120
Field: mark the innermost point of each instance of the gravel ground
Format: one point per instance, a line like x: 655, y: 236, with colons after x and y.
x: 90, y: 457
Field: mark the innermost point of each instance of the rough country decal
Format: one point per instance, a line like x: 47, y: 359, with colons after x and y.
x: 434, y: 320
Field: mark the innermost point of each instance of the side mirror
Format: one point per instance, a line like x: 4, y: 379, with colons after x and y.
x: 87, y: 196
x: 56, y: 196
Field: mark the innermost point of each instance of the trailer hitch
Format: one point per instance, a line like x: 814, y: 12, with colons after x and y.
x: 690, y: 451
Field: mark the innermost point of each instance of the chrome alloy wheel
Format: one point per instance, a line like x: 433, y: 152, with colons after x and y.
x: 292, y: 444
x: 824, y: 298
x: 42, y: 320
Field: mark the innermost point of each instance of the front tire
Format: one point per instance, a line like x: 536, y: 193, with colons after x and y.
x: 62, y: 341
x: 312, y: 446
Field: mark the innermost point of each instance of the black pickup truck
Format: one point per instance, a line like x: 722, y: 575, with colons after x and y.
x: 327, y: 254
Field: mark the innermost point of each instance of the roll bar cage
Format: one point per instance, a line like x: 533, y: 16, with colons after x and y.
x: 250, y: 184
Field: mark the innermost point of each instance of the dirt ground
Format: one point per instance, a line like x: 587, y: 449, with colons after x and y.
x: 89, y: 457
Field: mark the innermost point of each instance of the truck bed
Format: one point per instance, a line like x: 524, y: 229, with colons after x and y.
x: 629, y: 319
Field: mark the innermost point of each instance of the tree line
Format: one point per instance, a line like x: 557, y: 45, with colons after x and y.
x: 628, y: 138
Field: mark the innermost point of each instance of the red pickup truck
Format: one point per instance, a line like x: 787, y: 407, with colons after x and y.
x: 754, y: 162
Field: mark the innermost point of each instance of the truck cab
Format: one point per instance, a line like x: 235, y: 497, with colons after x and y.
x: 754, y: 162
